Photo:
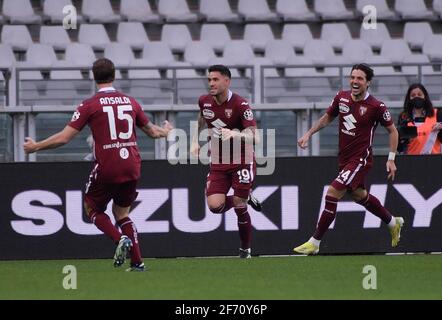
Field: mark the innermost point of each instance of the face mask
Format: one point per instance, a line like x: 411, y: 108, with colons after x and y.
x: 417, y: 103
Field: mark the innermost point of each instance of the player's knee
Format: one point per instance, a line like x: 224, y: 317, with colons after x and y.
x: 219, y: 208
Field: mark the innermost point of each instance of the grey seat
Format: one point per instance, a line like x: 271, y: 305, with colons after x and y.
x: 176, y: 36
x: 17, y: 36
x: 216, y: 35
x: 99, y: 11
x: 176, y: 11
x: 297, y: 35
x: 258, y: 35
x: 198, y: 53
x: 415, y: 33
x: 336, y: 34
x: 56, y: 36
x: 413, y: 9
x: 53, y: 11
x: 138, y: 10
x: 332, y: 10
x: 256, y: 10
x: 94, y: 35
x: 133, y: 34
x: 383, y: 12
x: 20, y: 12
x: 218, y: 11
x: 294, y: 10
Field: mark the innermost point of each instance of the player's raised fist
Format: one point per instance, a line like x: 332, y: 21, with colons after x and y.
x: 29, y: 145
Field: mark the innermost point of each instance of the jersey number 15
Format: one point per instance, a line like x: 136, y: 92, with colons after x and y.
x: 121, y: 116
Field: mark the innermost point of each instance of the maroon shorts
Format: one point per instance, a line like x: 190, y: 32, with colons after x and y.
x: 239, y: 177
x: 98, y: 195
x: 351, y: 176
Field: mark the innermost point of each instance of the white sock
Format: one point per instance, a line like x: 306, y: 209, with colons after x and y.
x: 392, y: 222
x: 314, y: 241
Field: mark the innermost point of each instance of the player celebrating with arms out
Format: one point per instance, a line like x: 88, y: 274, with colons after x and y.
x: 359, y: 114
x: 112, y: 117
x: 230, y: 121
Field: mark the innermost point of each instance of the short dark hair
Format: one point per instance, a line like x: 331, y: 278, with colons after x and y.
x: 221, y: 69
x: 369, y: 73
x: 103, y: 70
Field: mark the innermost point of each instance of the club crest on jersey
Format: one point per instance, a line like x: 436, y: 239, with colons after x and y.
x: 248, y: 115
x: 207, y: 105
x: 362, y: 110
x: 228, y: 113
x: 343, y: 108
x: 208, y: 114
x: 76, y: 116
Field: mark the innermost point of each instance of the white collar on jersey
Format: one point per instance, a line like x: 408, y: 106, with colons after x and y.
x: 366, y: 95
x: 107, y: 89
x: 230, y: 95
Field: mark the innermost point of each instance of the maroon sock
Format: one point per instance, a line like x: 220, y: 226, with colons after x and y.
x: 103, y: 223
x: 327, y: 217
x: 372, y: 204
x: 128, y: 228
x: 244, y: 226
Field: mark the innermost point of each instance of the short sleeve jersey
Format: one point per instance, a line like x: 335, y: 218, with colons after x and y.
x: 112, y: 117
x: 234, y: 113
x: 357, y: 124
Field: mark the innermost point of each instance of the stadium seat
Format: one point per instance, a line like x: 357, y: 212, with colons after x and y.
x: 216, y: 35
x: 332, y: 10
x: 176, y: 36
x: 20, y: 12
x: 297, y: 35
x: 383, y: 12
x: 120, y: 54
x: 143, y: 73
x: 17, y: 36
x: 258, y: 35
x: 437, y: 7
x: 138, y: 10
x: 415, y: 33
x: 256, y: 10
x: 218, y: 11
x: 94, y: 35
x: 279, y: 52
x: 321, y: 53
x: 239, y: 52
x: 99, y: 11
x: 433, y: 47
x: 80, y: 55
x: 336, y: 34
x: 398, y: 52
x: 356, y: 51
x: 413, y: 9
x: 159, y: 54
x: 53, y: 11
x: 198, y: 53
x: 375, y: 37
x: 7, y: 58
x: 176, y: 11
x: 133, y: 34
x: 40, y: 55
x: 294, y: 10
x: 56, y: 36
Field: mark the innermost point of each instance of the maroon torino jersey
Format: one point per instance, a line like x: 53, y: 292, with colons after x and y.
x: 235, y: 113
x: 357, y: 124
x: 112, y: 117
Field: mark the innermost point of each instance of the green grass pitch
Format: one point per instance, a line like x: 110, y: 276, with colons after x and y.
x: 286, y: 278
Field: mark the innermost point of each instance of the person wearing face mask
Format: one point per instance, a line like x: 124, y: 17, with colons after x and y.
x: 419, y: 123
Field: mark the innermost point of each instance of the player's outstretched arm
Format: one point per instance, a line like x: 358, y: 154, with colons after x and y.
x: 54, y: 141
x: 394, y: 139
x: 321, y: 123
x: 154, y: 131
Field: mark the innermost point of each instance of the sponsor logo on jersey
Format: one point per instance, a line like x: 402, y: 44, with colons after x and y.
x: 244, y: 103
x: 345, y: 100
x: 387, y: 115
x: 362, y: 110
x: 343, y: 108
x: 207, y: 105
x: 248, y: 115
x: 76, y: 116
x: 228, y: 113
x: 208, y: 114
